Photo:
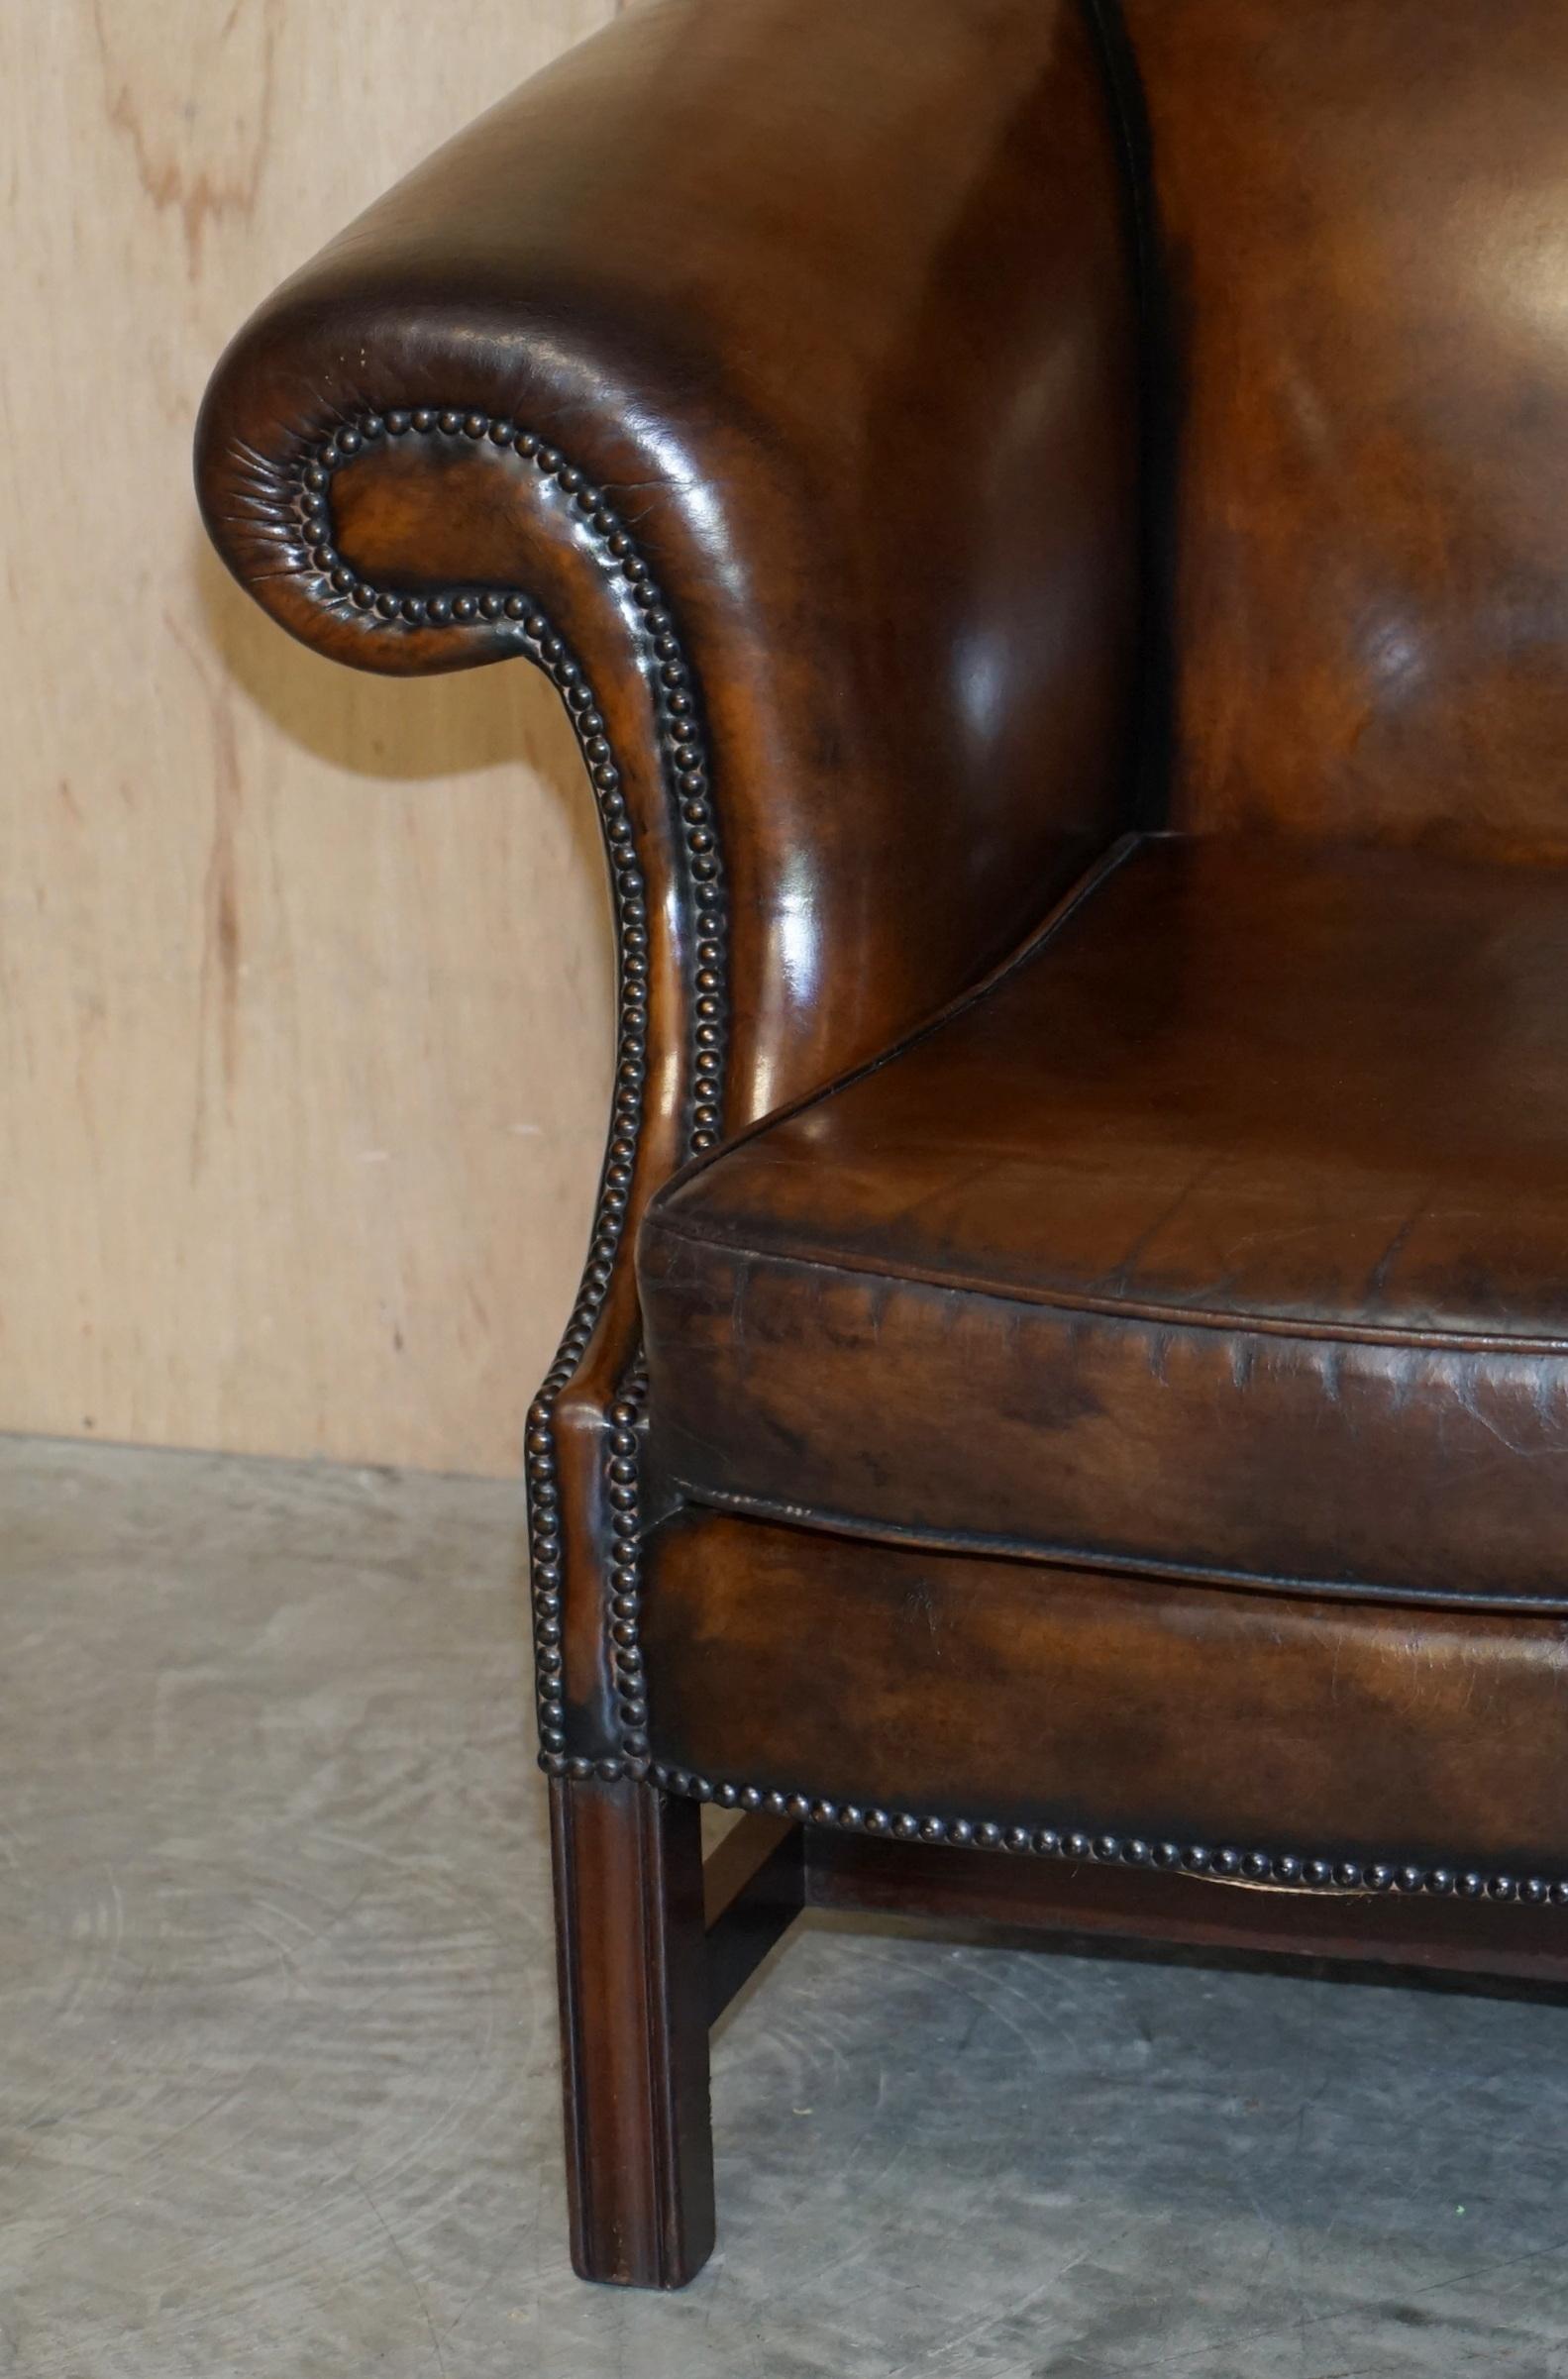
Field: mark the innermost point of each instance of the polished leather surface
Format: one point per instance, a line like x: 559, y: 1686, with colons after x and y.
x: 1223, y: 1236
x: 819, y: 301
x: 1363, y: 206
x: 1225, y: 1233
x: 836, y: 305
x: 893, y: 1677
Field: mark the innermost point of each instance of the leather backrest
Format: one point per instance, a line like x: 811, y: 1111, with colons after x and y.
x: 1362, y: 210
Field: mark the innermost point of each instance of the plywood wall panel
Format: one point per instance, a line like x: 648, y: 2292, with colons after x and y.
x: 305, y: 976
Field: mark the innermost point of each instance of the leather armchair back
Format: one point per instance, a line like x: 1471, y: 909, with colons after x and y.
x: 1363, y: 206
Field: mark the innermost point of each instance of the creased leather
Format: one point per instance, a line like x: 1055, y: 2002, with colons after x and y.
x: 1223, y: 1235
x: 901, y: 1679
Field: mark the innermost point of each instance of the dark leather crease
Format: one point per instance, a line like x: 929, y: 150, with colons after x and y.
x: 971, y: 1294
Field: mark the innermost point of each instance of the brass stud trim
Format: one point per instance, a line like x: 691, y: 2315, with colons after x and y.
x: 687, y: 772
x: 1289, y: 1870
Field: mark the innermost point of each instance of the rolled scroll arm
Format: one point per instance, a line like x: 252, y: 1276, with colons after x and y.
x: 631, y: 700
x: 764, y: 372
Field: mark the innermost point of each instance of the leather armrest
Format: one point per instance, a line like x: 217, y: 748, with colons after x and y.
x: 765, y: 372
x: 818, y: 317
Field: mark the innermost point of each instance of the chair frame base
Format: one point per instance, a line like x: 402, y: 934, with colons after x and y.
x: 655, y: 1942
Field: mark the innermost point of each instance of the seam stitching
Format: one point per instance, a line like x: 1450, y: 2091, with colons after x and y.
x: 1123, y: 1311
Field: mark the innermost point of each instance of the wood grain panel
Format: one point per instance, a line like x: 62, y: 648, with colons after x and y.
x: 305, y: 976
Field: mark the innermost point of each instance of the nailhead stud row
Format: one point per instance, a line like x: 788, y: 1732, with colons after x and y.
x: 684, y: 761
x: 1290, y: 1869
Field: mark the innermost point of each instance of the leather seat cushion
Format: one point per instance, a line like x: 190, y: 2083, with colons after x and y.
x: 1224, y: 1234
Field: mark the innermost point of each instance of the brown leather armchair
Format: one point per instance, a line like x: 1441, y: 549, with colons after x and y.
x: 1053, y: 532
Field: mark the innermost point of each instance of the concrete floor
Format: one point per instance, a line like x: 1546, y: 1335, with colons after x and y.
x: 277, y: 2083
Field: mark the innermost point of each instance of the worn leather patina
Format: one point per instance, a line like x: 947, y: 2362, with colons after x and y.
x: 1051, y: 524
